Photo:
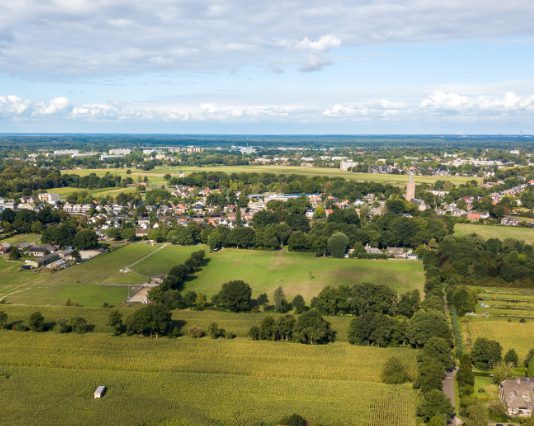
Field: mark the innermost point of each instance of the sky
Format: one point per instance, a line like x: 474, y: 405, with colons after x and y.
x: 272, y: 67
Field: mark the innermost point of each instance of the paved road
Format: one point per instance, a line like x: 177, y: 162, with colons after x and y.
x: 448, y: 389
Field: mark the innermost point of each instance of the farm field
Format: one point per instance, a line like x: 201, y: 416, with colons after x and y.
x: 495, y: 231
x: 106, y: 278
x: 510, y: 334
x: 164, y: 381
x: 19, y: 238
x: 156, y: 175
x: 513, y: 303
x: 302, y: 273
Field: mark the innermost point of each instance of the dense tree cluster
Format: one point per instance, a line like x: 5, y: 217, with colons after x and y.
x: 472, y: 260
x: 309, y: 327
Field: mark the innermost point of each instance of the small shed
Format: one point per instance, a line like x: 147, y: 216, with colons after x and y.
x: 99, y: 392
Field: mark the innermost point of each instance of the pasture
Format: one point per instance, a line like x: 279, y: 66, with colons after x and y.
x: 495, y: 231
x: 107, y: 277
x: 156, y: 175
x: 176, y: 381
x: 302, y: 273
x: 93, y: 282
x: 64, y: 192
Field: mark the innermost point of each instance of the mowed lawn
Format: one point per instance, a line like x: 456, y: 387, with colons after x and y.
x: 495, y: 231
x: 302, y: 273
x: 51, y: 378
x: 510, y: 334
x: 156, y: 175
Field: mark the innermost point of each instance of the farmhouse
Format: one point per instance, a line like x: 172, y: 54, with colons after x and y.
x: 518, y: 396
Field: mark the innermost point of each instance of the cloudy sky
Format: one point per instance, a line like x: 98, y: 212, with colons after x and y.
x: 237, y: 66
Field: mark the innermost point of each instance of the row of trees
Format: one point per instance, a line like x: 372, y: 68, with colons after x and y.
x: 37, y: 323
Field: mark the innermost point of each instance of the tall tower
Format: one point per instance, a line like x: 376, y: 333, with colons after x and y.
x: 410, y: 188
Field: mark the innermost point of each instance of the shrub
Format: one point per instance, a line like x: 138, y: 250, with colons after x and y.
x: 196, y: 332
x: 293, y: 420
x: 395, y: 372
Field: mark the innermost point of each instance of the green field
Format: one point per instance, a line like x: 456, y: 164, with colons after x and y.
x: 156, y: 175
x: 93, y: 282
x: 302, y: 273
x: 495, y: 231
x: 176, y: 381
x: 64, y: 192
x: 510, y: 334
x: 101, y: 280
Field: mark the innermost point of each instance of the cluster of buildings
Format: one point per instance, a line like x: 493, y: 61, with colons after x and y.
x: 45, y: 256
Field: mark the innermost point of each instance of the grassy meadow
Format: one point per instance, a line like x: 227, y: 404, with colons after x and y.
x: 495, y: 231
x: 176, y: 381
x: 156, y: 175
x: 302, y: 273
x: 64, y: 192
x: 106, y: 278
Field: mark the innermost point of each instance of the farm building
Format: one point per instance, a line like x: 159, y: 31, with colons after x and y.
x: 43, y: 261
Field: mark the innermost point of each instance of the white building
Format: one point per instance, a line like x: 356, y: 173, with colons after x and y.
x: 49, y: 198
x: 347, y: 165
x: 120, y: 151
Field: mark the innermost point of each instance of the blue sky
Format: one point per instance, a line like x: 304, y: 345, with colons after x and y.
x: 233, y: 66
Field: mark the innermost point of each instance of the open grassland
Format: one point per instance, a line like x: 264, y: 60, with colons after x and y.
x: 510, y: 334
x: 106, y: 278
x: 156, y: 175
x: 64, y: 192
x: 302, y: 273
x: 495, y: 231
x: 20, y: 238
x: 196, y: 382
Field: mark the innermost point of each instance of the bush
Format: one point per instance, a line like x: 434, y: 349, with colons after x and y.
x: 230, y: 335
x: 395, y: 372
x: 254, y: 332
x: 37, y: 322
x: 214, y: 331
x: 293, y: 420
x: 196, y: 332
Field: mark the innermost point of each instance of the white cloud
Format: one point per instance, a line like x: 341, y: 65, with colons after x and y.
x: 455, y: 103
x: 448, y: 105
x: 110, y: 37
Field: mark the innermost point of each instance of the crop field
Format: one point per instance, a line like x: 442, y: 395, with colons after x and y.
x: 506, y: 303
x: 302, y: 273
x: 176, y: 381
x: 495, y: 231
x: 107, y: 277
x: 510, y: 334
x: 156, y: 175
